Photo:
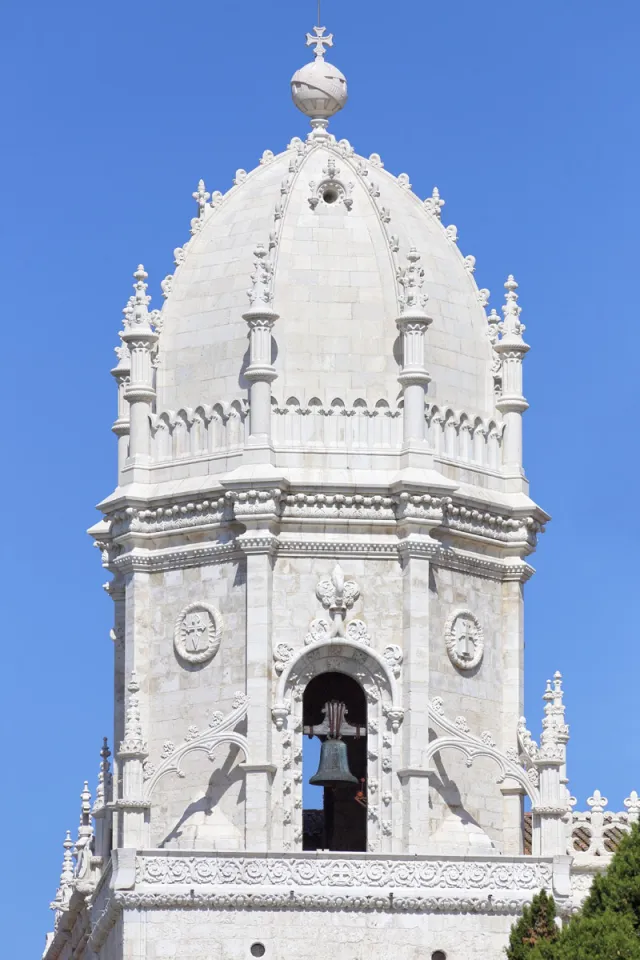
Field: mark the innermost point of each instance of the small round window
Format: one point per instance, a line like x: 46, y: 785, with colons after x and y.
x: 330, y: 194
x: 259, y: 950
x: 438, y: 955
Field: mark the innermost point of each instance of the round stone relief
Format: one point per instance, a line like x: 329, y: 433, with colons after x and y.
x: 197, y: 634
x: 464, y: 640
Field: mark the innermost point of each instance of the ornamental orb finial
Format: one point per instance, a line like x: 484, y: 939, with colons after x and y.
x: 319, y: 89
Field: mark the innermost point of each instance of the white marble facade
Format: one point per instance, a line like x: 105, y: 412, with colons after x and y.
x: 320, y: 471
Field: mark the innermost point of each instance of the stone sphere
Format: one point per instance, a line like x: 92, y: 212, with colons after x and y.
x: 319, y: 89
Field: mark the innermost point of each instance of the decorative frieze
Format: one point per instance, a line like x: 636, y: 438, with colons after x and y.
x: 366, y: 873
x: 208, y: 431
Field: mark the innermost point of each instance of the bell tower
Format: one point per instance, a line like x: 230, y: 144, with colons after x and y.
x: 321, y: 529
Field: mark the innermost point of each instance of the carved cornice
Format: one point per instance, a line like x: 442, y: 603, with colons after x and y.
x: 177, y: 559
x: 378, y: 902
x: 451, y: 513
x: 183, y: 557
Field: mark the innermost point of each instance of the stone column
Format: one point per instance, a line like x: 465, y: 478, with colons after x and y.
x: 512, y: 706
x: 416, y: 519
x: 258, y: 510
x: 260, y: 373
x: 511, y: 349
x: 140, y: 337
x: 122, y: 374
x: 551, y: 765
x: 101, y: 815
x: 131, y: 756
x: 412, y: 324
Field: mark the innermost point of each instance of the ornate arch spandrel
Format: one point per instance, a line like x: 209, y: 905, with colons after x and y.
x: 384, y: 715
x: 457, y: 736
x: 220, y: 730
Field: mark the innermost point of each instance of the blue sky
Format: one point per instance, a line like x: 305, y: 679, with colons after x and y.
x: 524, y: 115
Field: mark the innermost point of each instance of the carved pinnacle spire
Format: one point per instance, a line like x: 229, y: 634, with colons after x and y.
x: 555, y: 731
x: 122, y: 350
x: 493, y: 322
x: 85, y: 829
x: 201, y: 197
x: 104, y: 776
x: 138, y: 321
x: 259, y: 292
x: 141, y: 300
x: 411, y: 279
x: 434, y: 204
x: 133, y: 743
x: 511, y: 328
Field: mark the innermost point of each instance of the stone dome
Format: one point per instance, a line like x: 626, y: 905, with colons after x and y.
x: 338, y: 228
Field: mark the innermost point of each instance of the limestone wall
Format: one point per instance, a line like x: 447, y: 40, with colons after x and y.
x: 202, y: 809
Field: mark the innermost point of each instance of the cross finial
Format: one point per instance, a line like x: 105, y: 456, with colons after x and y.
x: 319, y: 42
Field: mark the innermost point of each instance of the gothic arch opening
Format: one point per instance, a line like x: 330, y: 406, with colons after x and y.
x: 339, y: 821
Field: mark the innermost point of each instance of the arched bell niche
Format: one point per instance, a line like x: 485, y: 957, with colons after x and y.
x: 341, y: 821
x: 375, y: 677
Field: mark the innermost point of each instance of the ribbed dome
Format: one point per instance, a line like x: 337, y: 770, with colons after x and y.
x: 338, y: 227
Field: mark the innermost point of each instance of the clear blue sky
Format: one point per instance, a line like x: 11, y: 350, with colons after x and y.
x: 524, y: 115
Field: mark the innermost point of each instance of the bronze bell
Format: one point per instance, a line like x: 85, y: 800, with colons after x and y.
x: 333, y: 769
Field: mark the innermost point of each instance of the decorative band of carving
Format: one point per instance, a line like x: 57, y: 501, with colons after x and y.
x: 338, y: 902
x: 416, y: 874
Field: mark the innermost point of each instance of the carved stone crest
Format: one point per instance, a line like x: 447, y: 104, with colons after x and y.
x: 198, y: 632
x: 464, y: 640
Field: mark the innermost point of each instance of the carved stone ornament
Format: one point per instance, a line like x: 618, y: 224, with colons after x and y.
x: 464, y: 640
x: 198, y: 632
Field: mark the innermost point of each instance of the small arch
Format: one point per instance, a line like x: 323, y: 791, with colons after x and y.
x: 464, y: 434
x: 216, y: 429
x: 180, y: 434
x: 314, y: 428
x: 479, y: 441
x: 353, y: 656
x: 450, y: 434
x: 163, y: 437
x: 493, y: 445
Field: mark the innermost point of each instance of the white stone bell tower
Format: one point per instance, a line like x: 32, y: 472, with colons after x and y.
x: 320, y: 500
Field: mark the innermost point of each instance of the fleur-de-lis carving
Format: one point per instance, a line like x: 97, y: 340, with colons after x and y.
x: 201, y: 196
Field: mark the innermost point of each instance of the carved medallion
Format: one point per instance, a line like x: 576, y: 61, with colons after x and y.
x: 464, y: 640
x: 197, y: 634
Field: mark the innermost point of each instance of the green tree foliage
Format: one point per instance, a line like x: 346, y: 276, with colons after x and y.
x: 608, y: 936
x: 618, y: 890
x: 608, y: 925
x: 535, y: 926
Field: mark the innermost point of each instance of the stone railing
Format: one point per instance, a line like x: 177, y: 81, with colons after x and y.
x: 461, y: 436
x: 597, y: 833
x: 205, y: 431
x: 357, y: 427
x: 360, y: 426
x: 353, y: 427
